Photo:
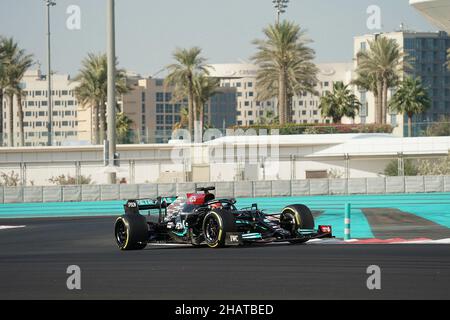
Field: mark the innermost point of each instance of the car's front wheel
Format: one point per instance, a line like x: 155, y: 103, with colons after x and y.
x: 131, y: 232
x: 215, y: 226
x: 294, y: 217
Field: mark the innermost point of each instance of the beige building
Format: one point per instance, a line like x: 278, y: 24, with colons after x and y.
x: 150, y: 107
x: 305, y: 107
x: 35, y: 109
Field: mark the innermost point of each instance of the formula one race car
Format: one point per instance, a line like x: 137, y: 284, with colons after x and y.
x: 199, y: 219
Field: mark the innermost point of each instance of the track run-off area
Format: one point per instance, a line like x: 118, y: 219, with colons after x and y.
x: 39, y: 241
x: 372, y: 216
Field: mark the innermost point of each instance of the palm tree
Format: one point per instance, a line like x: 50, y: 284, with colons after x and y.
x: 285, y: 65
x: 339, y: 103
x: 269, y: 118
x: 204, y: 88
x: 411, y: 98
x: 181, y: 76
x: 382, y: 64
x: 123, y: 126
x: 15, y: 63
x: 91, y: 90
x: 184, y: 119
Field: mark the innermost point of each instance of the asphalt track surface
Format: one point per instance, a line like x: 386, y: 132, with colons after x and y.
x: 34, y: 259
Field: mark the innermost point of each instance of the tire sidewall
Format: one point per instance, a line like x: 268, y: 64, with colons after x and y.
x: 221, y: 237
x: 137, y: 232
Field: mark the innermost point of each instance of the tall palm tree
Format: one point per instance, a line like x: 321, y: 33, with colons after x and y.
x: 411, y: 98
x: 15, y: 63
x: 339, y: 103
x: 364, y: 82
x: 91, y: 90
x: 189, y: 62
x: 204, y: 88
x: 383, y: 63
x: 123, y: 126
x: 285, y: 65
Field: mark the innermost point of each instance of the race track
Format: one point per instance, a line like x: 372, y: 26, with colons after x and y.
x: 34, y: 258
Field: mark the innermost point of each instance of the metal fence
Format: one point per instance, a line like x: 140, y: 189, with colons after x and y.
x: 238, y: 189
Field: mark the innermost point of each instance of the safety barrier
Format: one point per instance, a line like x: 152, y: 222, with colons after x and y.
x: 238, y: 189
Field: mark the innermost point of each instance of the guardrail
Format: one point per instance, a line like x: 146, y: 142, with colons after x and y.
x: 238, y: 189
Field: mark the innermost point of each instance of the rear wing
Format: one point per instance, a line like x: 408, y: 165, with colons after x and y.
x: 136, y: 205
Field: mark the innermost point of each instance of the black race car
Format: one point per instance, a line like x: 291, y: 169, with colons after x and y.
x: 200, y: 218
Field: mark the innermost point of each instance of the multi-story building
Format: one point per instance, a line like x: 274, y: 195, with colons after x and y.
x: 305, y: 108
x: 35, y: 109
x: 150, y: 106
x: 426, y: 54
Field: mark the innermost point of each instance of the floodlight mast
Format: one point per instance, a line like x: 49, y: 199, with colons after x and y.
x: 280, y: 6
x: 49, y: 4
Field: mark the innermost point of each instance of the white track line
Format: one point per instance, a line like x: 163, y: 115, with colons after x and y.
x: 10, y: 227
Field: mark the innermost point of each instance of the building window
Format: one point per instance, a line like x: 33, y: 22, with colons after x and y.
x: 363, y: 46
x: 169, y: 108
x: 160, y: 96
x: 159, y: 108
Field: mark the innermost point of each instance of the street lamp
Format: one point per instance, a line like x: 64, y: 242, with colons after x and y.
x: 111, y: 107
x: 281, y: 6
x: 49, y: 4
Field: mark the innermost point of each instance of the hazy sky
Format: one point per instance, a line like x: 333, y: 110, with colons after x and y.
x: 149, y: 30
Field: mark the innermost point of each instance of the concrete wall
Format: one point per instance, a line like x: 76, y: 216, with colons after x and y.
x: 241, y: 189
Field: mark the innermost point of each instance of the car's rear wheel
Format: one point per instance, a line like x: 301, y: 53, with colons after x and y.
x: 215, y: 226
x: 294, y: 217
x: 131, y: 232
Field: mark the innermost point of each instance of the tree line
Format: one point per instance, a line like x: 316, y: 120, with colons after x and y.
x: 285, y: 69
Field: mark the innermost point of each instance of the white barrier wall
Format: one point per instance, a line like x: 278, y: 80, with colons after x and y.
x: 241, y: 189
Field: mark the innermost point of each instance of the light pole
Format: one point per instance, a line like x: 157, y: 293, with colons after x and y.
x: 49, y: 4
x: 111, y: 107
x: 281, y: 6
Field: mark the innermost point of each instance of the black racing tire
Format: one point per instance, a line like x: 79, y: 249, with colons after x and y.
x: 215, y: 226
x: 131, y: 232
x: 296, y: 216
